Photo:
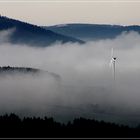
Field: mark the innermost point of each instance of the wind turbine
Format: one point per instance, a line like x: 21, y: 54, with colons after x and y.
x: 112, y: 63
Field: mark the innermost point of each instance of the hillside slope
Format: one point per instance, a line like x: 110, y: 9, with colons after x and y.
x: 90, y: 32
x: 33, y: 35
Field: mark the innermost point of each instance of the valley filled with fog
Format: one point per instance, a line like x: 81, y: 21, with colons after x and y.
x: 79, y: 82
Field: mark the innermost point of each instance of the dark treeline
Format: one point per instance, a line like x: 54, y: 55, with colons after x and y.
x: 13, y: 126
x: 9, y: 69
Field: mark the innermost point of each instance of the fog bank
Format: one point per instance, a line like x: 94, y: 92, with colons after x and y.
x: 86, y: 88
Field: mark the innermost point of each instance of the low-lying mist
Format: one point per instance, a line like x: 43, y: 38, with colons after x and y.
x: 85, y: 88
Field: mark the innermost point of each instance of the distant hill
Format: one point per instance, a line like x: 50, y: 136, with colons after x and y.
x: 11, y: 70
x: 89, y: 32
x: 8, y: 70
x: 33, y: 35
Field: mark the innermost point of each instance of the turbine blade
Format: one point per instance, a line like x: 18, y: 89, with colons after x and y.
x: 112, y: 51
x: 111, y: 63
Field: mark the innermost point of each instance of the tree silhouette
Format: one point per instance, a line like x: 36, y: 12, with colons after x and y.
x: 13, y: 126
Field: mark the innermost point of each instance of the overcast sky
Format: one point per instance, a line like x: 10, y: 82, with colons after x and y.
x: 80, y: 11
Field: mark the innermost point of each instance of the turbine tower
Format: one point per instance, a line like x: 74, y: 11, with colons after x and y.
x: 112, y: 63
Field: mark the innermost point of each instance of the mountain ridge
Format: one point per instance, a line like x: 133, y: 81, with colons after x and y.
x: 33, y: 35
x: 91, y: 32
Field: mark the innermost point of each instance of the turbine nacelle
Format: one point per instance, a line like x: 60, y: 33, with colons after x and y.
x: 114, y: 59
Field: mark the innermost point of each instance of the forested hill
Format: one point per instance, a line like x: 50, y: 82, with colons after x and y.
x: 33, y: 35
x: 9, y: 70
x: 91, y: 32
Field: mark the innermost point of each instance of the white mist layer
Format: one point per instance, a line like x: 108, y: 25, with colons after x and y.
x: 86, y: 88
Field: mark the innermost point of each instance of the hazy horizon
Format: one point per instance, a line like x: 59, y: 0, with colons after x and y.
x: 47, y: 13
